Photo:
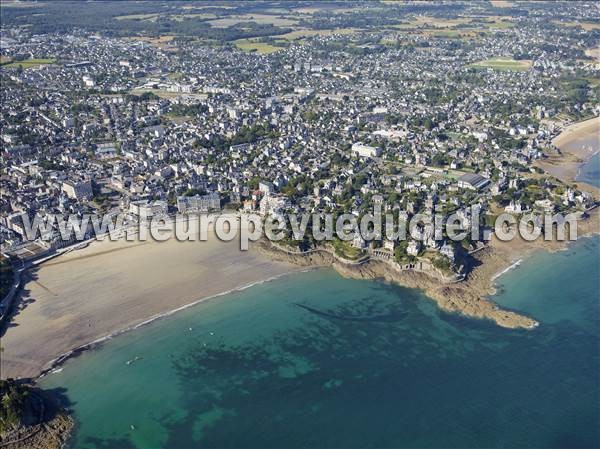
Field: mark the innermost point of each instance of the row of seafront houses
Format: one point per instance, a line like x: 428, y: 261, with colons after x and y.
x: 270, y: 203
x: 17, y: 245
x: 265, y: 200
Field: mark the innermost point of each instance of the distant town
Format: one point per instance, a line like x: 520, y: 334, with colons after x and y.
x: 414, y: 107
x: 462, y: 136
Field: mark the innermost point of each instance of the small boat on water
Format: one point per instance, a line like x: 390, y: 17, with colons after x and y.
x: 135, y: 359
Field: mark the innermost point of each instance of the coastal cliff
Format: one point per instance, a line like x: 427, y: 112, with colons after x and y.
x: 465, y: 297
x: 32, y: 418
x: 468, y: 296
x: 455, y: 297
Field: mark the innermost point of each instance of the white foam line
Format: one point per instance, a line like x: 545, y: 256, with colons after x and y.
x: 584, y: 163
x: 56, y: 362
x: 507, y: 269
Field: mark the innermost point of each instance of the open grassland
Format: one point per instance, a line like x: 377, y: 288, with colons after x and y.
x: 160, y: 42
x: 587, y: 26
x: 594, y: 53
x: 453, y: 28
x: 182, y: 17
x: 439, y: 22
x: 459, y: 33
x: 150, y: 17
x: 29, y: 63
x: 332, y: 8
x: 18, y: 4
x: 494, y: 22
x: 258, y: 18
x: 503, y: 64
x: 301, y: 34
x: 501, y: 3
x: 193, y: 6
x: 251, y: 45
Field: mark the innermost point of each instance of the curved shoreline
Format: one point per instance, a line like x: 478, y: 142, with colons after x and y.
x: 58, y: 361
x: 62, y: 358
x: 94, y: 344
x: 338, y: 266
x: 506, y: 270
x: 92, y: 294
x: 583, y: 164
x: 565, y: 164
x: 469, y: 297
x: 153, y: 283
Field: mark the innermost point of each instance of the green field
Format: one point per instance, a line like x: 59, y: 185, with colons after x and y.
x: 151, y: 17
x: 262, y: 19
x: 587, y: 26
x: 254, y: 46
x: 451, y: 33
x: 300, y: 34
x: 28, y: 63
x: 503, y: 64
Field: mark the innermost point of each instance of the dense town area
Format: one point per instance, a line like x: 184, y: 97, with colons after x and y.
x: 313, y: 108
x: 149, y: 109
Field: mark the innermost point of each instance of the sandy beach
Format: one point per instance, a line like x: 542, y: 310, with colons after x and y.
x: 577, y: 143
x: 110, y: 286
x: 89, y: 294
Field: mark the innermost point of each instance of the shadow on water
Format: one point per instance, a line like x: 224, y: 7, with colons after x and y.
x: 291, y: 377
x: 379, y: 367
x: 343, y: 378
x: 55, y: 399
x: 109, y: 443
x: 389, y: 318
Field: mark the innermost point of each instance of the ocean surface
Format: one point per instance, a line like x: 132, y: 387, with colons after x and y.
x: 590, y: 171
x: 314, y: 360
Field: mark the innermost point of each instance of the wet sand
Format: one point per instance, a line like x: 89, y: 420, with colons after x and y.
x: 110, y: 286
x: 576, y: 144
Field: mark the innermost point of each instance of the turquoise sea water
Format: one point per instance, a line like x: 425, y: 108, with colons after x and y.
x: 314, y: 360
x: 590, y: 171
